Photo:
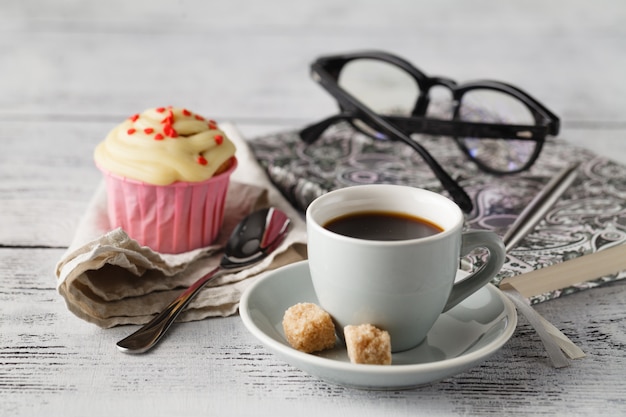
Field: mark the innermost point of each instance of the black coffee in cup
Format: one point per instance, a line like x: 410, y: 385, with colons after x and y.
x: 382, y: 225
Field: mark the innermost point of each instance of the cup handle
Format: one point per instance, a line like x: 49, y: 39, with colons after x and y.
x: 471, y: 240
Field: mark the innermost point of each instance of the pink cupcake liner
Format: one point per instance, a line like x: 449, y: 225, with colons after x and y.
x: 168, y: 218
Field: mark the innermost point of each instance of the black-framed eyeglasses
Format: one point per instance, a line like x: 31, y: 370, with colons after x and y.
x: 496, y: 125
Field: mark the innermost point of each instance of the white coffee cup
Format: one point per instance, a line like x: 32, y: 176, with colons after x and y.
x: 401, y: 286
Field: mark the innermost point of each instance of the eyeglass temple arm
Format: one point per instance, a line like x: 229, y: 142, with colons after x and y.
x: 456, y: 128
x: 311, y: 133
x: 439, y: 127
x: 457, y: 193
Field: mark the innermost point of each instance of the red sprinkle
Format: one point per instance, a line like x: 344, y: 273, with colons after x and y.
x: 134, y: 117
x: 158, y: 136
x: 170, y: 131
x: 131, y: 131
x: 186, y: 112
x: 148, y: 130
x: 198, y: 117
x: 161, y: 109
x: 219, y: 139
x: 212, y: 125
x: 169, y: 119
x: 202, y: 160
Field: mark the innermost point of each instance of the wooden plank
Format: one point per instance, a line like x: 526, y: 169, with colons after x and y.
x: 54, y: 363
x: 89, y: 60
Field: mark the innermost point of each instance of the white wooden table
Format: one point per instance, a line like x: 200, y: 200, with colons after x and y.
x: 70, y: 70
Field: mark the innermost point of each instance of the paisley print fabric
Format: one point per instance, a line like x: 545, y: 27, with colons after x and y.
x: 591, y: 215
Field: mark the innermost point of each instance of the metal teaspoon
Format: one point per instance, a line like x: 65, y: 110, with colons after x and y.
x: 254, y: 238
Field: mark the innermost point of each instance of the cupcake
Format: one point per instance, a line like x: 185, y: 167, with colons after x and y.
x: 167, y: 172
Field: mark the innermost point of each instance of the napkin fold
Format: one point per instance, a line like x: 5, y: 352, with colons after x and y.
x: 108, y: 279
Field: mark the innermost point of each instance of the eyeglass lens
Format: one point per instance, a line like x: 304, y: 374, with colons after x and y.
x: 492, y: 106
x: 383, y: 87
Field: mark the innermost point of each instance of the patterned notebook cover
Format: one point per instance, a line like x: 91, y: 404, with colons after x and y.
x: 591, y: 215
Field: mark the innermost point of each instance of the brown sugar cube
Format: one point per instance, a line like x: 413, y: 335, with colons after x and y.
x: 309, y: 328
x: 368, y: 344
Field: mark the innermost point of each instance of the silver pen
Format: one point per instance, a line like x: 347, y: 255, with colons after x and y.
x: 539, y: 206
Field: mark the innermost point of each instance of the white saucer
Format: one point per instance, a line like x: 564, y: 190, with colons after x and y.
x: 461, y: 338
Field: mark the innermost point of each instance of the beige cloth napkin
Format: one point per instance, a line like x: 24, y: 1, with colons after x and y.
x: 108, y: 279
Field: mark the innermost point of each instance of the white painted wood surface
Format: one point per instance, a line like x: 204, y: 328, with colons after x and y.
x: 71, y: 69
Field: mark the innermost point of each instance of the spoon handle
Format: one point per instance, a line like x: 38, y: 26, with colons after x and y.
x: 150, y: 334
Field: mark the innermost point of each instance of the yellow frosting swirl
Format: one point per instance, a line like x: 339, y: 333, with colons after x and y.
x: 164, y: 145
